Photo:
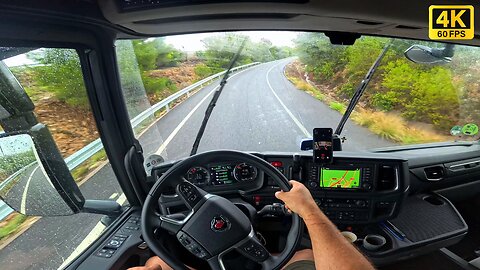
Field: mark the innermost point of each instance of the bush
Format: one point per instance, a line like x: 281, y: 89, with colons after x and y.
x: 203, y: 71
x: 158, y: 85
x: 337, y: 106
x: 153, y: 54
x: 425, y: 95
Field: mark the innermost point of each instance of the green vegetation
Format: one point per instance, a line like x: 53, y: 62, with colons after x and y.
x: 220, y: 49
x: 386, y: 125
x: 203, y: 71
x: 12, y: 224
x: 59, y: 72
x: 337, y: 106
x: 9, y: 164
x: 430, y: 94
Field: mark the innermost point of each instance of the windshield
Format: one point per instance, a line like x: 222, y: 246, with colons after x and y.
x: 285, y: 84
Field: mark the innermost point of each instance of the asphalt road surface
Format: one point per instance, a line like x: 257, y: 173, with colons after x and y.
x: 259, y: 110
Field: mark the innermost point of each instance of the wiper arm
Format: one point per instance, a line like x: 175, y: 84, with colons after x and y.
x: 360, y: 90
x: 213, y: 102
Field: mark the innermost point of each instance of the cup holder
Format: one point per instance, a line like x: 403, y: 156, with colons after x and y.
x: 433, y: 200
x: 374, y: 242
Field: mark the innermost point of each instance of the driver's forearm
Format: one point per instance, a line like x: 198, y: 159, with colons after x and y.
x: 330, y: 249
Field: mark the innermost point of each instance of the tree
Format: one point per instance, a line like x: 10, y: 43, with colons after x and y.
x: 155, y: 53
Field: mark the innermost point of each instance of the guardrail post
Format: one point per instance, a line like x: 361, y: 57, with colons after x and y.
x: 167, y: 107
x: 188, y: 94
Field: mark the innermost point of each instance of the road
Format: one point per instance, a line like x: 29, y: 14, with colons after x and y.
x: 259, y: 110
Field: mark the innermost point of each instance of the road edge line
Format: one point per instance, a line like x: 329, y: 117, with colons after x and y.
x: 302, y: 128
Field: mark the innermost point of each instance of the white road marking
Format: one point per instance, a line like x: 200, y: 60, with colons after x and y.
x: 295, y: 120
x: 181, y: 124
x: 25, y: 191
x: 175, y: 131
x: 113, y: 195
x: 91, y: 237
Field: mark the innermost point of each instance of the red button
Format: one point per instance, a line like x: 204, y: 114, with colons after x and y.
x: 219, y: 224
x: 276, y: 163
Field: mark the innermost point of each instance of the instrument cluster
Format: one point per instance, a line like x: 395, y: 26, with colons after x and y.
x: 222, y: 174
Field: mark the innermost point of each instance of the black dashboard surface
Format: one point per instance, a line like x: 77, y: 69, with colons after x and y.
x: 356, y: 188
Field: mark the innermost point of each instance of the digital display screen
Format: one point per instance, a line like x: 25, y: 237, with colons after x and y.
x: 330, y: 178
x: 222, y: 174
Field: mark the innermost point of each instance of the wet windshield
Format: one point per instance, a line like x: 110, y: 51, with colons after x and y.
x: 284, y: 84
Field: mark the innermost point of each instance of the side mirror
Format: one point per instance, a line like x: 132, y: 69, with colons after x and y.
x: 34, y: 181
x: 425, y: 55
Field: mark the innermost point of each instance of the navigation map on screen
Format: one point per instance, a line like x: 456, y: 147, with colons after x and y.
x: 339, y: 178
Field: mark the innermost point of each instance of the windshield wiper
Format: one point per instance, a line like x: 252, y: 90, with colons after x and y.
x: 360, y: 90
x: 213, y: 102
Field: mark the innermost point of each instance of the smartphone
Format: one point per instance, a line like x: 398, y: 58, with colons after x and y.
x: 323, y: 145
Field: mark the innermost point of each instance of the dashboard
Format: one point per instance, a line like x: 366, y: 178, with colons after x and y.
x: 352, y: 190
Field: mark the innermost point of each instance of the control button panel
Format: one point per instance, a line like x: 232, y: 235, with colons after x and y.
x: 191, y: 245
x: 345, y: 209
x: 254, y: 250
x: 116, y: 241
x: 189, y: 193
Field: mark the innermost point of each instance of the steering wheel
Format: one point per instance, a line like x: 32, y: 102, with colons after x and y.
x: 214, y: 225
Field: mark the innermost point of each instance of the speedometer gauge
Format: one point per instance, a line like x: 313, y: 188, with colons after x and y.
x: 198, y: 176
x: 244, y: 172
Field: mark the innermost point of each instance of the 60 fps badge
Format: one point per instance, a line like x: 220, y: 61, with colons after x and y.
x: 450, y: 22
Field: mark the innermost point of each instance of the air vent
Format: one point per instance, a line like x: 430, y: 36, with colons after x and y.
x: 434, y: 173
x: 407, y: 27
x: 369, y: 23
x: 387, y: 177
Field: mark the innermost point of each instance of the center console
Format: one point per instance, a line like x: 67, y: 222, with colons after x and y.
x: 351, y: 190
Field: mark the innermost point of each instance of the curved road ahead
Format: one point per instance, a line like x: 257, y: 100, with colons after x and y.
x: 259, y: 110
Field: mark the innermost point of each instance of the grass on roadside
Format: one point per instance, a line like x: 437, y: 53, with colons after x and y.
x: 394, y: 128
x: 337, y: 106
x: 11, y: 224
x: 81, y: 171
x: 305, y: 86
x: 388, y: 126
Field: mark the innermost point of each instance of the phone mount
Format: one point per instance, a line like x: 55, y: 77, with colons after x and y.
x: 307, y: 144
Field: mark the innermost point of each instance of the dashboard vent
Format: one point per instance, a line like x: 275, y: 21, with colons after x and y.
x: 434, y: 173
x: 387, y: 177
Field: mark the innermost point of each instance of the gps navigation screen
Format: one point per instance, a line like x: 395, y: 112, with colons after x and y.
x: 339, y: 178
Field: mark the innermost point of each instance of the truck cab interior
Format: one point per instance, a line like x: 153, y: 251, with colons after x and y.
x: 410, y: 206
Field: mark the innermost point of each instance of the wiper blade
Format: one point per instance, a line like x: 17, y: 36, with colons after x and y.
x: 360, y: 90
x: 213, y: 102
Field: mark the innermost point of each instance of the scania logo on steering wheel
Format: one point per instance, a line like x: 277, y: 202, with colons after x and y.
x: 220, y: 224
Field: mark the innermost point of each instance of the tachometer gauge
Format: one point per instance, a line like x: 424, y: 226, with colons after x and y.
x: 198, y: 176
x: 244, y: 172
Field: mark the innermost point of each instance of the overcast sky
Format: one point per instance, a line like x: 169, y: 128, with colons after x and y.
x: 193, y: 42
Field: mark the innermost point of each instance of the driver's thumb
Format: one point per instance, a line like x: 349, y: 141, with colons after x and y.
x: 279, y: 195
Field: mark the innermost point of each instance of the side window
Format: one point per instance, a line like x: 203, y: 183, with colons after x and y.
x: 53, y: 80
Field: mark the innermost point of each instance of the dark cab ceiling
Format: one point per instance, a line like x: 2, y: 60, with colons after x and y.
x: 408, y: 18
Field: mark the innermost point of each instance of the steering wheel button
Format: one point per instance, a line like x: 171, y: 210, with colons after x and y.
x: 192, y: 197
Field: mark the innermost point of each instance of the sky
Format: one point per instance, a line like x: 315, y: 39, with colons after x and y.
x: 193, y: 42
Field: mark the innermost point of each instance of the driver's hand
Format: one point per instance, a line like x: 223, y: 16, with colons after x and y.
x: 299, y: 200
x: 154, y: 263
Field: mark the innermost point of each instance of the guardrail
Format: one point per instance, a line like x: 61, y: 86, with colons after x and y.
x: 94, y: 147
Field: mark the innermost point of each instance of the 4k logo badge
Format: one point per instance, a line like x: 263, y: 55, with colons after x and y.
x: 450, y: 22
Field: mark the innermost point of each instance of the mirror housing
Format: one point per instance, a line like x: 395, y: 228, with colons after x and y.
x: 421, y: 54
